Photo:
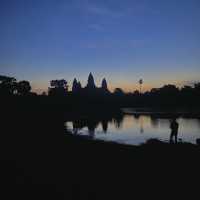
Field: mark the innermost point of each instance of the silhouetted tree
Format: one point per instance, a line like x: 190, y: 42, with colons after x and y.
x: 8, y: 85
x: 58, y: 87
x: 59, y: 84
x: 187, y: 92
x: 136, y: 93
x: 23, y: 87
x: 140, y: 82
x: 169, y: 89
x: 118, y: 91
x: 154, y: 90
x: 187, y: 88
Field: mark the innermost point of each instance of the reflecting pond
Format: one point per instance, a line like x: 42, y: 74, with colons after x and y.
x: 135, y: 128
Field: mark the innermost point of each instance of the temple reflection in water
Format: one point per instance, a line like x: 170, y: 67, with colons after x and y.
x: 133, y: 129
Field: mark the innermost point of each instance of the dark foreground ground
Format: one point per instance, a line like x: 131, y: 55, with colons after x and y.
x: 38, y: 162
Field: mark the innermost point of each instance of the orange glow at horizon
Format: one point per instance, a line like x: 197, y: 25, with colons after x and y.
x: 40, y: 87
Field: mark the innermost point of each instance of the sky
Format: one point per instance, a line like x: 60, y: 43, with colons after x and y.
x: 123, y: 41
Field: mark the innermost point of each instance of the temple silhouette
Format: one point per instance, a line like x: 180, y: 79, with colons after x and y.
x: 166, y: 96
x: 91, y: 86
x: 61, y: 87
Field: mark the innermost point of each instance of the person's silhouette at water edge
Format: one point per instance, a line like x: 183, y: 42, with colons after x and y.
x: 174, y: 131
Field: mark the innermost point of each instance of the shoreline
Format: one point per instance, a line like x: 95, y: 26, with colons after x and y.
x: 39, y: 162
x: 149, y: 142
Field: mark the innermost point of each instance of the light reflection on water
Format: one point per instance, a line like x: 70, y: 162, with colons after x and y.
x: 131, y: 129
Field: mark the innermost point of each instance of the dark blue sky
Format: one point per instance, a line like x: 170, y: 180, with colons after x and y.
x: 158, y: 40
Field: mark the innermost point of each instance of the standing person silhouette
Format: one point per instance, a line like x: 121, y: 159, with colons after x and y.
x: 174, y: 130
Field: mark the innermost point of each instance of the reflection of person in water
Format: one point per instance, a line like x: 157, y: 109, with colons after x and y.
x: 174, y: 130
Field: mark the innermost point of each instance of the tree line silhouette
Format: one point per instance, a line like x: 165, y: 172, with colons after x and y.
x: 10, y: 86
x: 168, y: 95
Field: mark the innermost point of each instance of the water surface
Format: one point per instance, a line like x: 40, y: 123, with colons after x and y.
x: 135, y: 129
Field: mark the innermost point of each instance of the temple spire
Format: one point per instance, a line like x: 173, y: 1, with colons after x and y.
x: 90, y: 83
x: 74, y: 85
x: 104, y: 85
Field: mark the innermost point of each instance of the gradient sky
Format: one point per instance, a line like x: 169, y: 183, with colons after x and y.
x: 121, y: 40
